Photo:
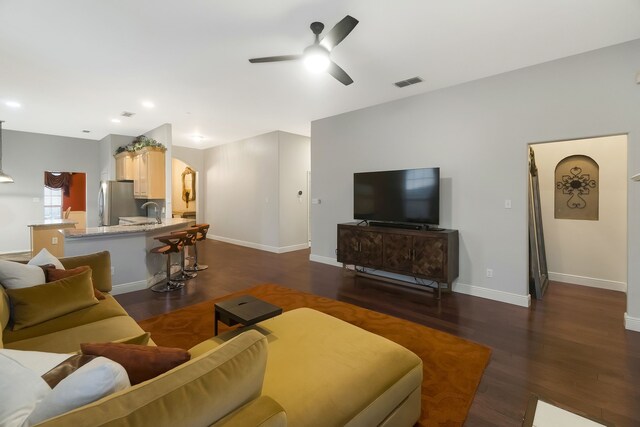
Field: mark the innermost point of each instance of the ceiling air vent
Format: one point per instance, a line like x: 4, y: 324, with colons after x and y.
x: 408, y: 82
x: 127, y: 114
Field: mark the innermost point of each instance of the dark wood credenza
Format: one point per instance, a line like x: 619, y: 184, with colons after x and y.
x: 425, y: 254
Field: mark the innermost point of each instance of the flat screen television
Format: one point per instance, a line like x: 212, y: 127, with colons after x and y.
x: 400, y: 196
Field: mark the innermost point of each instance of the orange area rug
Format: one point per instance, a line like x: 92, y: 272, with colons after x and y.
x: 453, y: 366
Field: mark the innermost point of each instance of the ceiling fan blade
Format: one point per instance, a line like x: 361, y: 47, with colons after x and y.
x: 275, y: 58
x: 339, y: 32
x: 339, y: 74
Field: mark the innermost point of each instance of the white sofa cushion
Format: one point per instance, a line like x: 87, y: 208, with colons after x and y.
x: 20, y: 393
x: 14, y: 275
x: 93, y: 381
x: 45, y: 257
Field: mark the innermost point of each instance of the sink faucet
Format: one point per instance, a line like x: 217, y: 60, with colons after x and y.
x: 158, y: 219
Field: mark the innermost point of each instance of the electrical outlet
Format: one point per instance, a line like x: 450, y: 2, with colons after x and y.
x: 54, y: 240
x: 507, y: 204
x: 113, y: 271
x: 489, y: 272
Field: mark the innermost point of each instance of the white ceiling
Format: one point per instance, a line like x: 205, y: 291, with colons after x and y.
x: 76, y: 64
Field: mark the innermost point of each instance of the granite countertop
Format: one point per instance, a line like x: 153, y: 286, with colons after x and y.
x: 48, y: 222
x: 138, y: 220
x: 124, y: 229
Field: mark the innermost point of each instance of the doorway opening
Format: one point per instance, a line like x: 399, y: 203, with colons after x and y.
x: 583, y: 199
x: 185, y: 197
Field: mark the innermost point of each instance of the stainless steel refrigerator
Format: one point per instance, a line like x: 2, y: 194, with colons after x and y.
x: 115, y: 200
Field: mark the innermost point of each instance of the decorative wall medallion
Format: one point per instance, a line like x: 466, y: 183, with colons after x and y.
x: 577, y: 194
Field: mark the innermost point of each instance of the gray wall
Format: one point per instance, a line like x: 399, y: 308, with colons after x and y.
x: 251, y: 188
x: 477, y: 133
x: 241, y: 202
x: 26, y: 156
x: 295, y: 162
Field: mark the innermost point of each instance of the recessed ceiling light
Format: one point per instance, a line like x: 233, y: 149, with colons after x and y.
x: 13, y: 104
x: 197, y: 138
x: 148, y: 104
x: 115, y: 120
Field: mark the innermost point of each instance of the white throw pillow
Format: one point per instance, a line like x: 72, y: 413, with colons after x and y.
x: 21, y: 391
x: 89, y: 383
x: 14, y: 275
x: 44, y: 257
x: 39, y: 362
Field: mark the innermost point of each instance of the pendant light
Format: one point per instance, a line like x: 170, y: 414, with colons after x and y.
x: 4, y: 178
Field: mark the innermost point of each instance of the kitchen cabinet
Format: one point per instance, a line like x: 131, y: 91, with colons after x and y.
x: 124, y: 166
x: 423, y: 254
x: 149, y: 174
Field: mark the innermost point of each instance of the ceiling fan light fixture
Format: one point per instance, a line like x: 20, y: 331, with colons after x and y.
x: 5, y: 179
x: 316, y: 58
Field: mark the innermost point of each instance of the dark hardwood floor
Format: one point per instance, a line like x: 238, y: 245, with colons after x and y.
x: 571, y: 347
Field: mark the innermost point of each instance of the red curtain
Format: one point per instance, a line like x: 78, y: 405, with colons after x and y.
x: 58, y: 180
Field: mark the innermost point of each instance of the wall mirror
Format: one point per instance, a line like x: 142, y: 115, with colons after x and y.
x: 188, y: 185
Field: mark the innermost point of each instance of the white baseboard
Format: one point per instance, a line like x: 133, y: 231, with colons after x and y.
x: 292, y: 248
x: 123, y: 288
x: 492, y: 294
x: 631, y: 323
x: 588, y: 281
x: 325, y: 260
x: 274, y: 249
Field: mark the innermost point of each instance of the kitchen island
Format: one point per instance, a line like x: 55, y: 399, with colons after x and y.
x: 48, y: 235
x: 133, y: 266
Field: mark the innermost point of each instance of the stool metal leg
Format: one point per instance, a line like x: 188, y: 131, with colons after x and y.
x: 196, y: 266
x: 167, y: 285
x: 184, y: 273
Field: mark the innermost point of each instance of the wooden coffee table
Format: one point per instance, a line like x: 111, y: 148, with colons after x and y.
x: 244, y: 310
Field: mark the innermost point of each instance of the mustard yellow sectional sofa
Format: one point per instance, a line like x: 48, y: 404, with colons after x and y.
x: 105, y: 321
x: 302, y: 368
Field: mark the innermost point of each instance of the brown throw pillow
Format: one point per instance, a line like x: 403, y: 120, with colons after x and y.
x: 52, y: 274
x: 140, y: 361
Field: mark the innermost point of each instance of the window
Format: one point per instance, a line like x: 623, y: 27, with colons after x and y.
x: 52, y: 203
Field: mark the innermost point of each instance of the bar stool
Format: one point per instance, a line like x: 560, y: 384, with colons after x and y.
x: 173, y: 243
x: 189, y: 239
x: 202, y: 234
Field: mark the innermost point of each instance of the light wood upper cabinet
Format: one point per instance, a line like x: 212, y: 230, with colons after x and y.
x: 149, y: 174
x: 124, y: 166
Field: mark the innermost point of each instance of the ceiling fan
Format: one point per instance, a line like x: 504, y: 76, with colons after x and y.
x: 317, y: 56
